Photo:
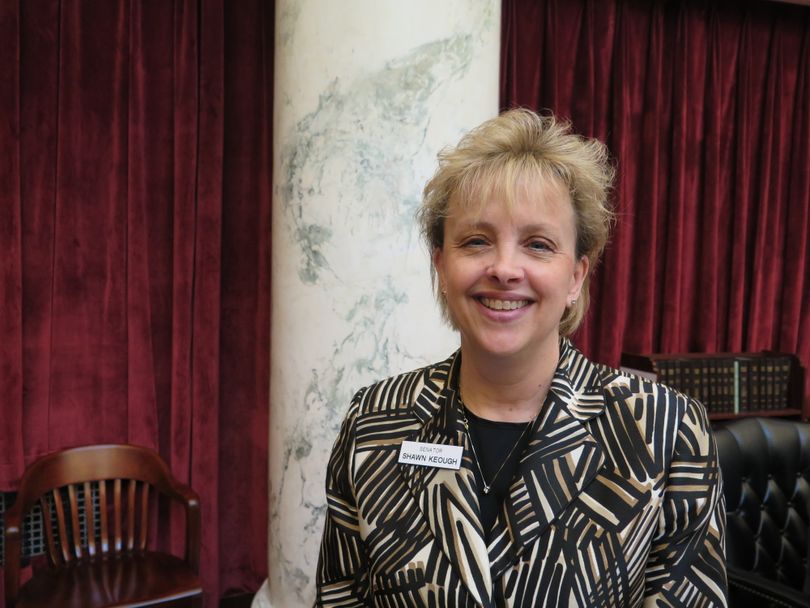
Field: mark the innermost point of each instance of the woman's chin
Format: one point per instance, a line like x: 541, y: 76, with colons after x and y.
x: 505, y: 349
x: 510, y: 346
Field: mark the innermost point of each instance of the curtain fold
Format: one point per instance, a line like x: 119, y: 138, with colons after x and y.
x: 11, y: 347
x: 705, y: 107
x: 135, y: 203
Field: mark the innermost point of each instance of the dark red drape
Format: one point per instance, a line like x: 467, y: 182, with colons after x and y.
x: 134, y: 243
x: 705, y: 106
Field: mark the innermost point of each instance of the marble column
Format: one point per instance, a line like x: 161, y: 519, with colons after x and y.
x: 367, y: 92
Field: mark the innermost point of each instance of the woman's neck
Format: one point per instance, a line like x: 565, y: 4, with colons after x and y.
x: 506, y: 389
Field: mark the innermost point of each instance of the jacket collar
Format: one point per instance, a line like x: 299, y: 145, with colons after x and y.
x: 561, y: 458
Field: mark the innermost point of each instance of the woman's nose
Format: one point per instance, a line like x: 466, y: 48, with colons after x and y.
x: 505, y: 267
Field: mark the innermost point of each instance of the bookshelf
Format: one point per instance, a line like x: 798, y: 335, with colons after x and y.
x: 730, y: 385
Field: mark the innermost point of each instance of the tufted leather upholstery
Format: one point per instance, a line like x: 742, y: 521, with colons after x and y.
x: 766, y: 467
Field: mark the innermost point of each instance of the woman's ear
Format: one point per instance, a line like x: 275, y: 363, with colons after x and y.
x: 581, y: 268
x: 438, y: 266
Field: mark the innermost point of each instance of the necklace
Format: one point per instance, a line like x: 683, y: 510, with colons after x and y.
x: 488, y: 486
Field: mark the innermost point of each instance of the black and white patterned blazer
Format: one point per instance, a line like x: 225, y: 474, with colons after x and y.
x: 616, y: 500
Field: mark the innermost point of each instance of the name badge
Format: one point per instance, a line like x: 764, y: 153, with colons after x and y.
x: 431, y: 454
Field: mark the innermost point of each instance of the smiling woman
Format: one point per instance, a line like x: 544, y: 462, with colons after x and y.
x: 577, y: 485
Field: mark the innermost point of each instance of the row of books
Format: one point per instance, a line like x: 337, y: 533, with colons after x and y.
x: 725, y: 384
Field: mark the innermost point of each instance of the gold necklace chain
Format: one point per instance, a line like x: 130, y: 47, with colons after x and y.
x: 488, y: 486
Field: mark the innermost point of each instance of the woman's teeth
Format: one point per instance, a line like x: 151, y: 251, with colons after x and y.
x: 503, y: 304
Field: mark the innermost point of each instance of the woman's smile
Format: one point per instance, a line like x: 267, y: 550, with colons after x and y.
x: 498, y: 304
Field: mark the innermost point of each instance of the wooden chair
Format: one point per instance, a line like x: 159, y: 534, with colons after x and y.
x: 96, y: 503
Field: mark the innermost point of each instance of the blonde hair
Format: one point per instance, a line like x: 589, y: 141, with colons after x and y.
x: 518, y: 147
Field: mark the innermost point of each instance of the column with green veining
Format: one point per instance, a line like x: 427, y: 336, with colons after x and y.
x: 366, y: 93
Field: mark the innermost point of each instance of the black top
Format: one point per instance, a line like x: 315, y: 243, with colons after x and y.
x: 493, y: 441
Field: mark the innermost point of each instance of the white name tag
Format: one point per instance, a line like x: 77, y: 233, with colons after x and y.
x: 431, y: 454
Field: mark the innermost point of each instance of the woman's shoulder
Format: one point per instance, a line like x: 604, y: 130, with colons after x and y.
x: 403, y: 390
x: 646, y: 392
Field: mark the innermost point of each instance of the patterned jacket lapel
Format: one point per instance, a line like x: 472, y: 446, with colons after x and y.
x: 562, y: 458
x: 446, y: 497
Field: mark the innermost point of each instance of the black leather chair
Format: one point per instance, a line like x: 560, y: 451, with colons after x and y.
x: 766, y: 481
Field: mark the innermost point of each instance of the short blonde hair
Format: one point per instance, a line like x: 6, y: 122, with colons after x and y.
x: 511, y: 149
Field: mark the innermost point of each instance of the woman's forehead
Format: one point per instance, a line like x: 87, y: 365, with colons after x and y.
x: 477, y: 195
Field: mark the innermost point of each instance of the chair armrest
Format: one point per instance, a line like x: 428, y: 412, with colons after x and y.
x: 191, y: 503
x: 193, y: 531
x: 11, y: 566
x: 170, y: 486
x: 749, y: 589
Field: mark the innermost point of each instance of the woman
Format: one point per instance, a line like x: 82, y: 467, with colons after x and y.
x: 517, y: 472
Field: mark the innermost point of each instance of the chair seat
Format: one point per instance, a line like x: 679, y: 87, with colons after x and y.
x: 113, y: 580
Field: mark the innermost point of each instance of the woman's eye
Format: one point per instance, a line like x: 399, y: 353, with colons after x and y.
x: 475, y: 242
x: 536, y: 245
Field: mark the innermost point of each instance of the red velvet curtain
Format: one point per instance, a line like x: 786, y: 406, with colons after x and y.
x: 705, y: 106
x: 134, y: 243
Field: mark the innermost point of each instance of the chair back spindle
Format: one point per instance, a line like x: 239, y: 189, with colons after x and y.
x: 73, y: 509
x: 117, y: 545
x: 104, y: 530
x: 47, y: 524
x: 61, y: 524
x: 144, y: 511
x: 130, y: 507
x: 90, y: 519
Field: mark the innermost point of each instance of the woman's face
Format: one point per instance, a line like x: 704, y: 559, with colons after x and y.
x: 509, y: 273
